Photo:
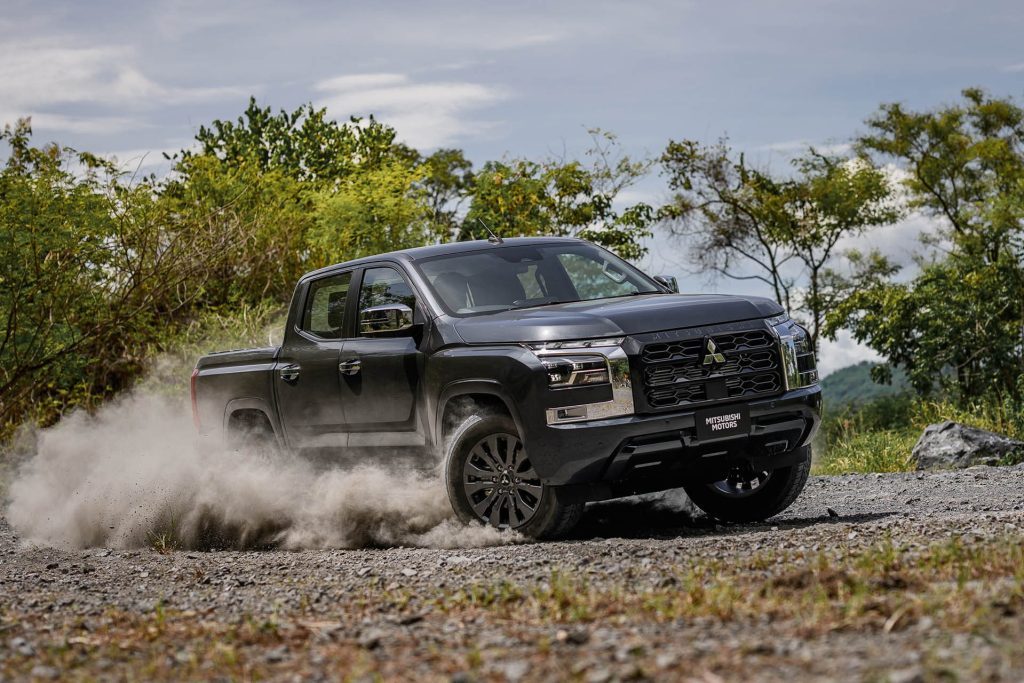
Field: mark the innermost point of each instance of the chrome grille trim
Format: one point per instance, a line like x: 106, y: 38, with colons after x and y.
x: 673, y: 373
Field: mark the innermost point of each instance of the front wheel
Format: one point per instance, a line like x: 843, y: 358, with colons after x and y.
x: 750, y: 495
x: 490, y: 479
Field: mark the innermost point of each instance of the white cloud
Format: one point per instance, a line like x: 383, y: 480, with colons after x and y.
x: 36, y: 76
x: 361, y: 82
x: 90, y: 125
x: 634, y: 195
x: 844, y: 351
x: 426, y: 115
x: 1013, y: 68
x: 795, y: 147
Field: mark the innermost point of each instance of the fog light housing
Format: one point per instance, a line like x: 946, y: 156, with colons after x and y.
x: 568, y: 414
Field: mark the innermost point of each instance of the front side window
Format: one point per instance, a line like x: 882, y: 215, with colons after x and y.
x: 504, y: 277
x: 381, y: 287
x: 324, y: 315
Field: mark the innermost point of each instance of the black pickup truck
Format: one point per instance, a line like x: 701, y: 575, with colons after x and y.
x: 547, y: 372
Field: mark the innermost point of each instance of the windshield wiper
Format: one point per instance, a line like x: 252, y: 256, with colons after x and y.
x: 539, y: 301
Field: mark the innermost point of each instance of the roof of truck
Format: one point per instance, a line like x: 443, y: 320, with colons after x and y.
x: 421, y: 253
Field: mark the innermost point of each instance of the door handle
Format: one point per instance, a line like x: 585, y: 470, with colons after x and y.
x: 290, y: 373
x: 349, y: 367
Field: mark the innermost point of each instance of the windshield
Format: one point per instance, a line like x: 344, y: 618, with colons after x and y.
x: 501, y: 278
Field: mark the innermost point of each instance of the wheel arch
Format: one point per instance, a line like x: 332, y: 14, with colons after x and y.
x: 463, y: 395
x: 240, y: 409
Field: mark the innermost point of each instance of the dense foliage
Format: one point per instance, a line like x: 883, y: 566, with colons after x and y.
x: 100, y: 272
x: 90, y: 277
x: 959, y: 323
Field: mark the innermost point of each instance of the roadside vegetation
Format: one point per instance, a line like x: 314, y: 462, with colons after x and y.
x: 108, y: 276
x: 879, y: 435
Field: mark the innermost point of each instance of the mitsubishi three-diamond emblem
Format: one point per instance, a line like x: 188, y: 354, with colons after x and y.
x: 713, y: 355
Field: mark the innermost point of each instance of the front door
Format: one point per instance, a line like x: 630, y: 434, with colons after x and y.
x: 381, y: 372
x: 307, y: 381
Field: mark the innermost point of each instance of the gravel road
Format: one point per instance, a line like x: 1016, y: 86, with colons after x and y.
x: 586, y: 608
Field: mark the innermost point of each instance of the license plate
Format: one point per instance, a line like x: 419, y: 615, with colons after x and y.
x: 716, y: 423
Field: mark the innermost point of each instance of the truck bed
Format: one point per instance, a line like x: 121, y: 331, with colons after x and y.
x: 238, y: 357
x: 228, y: 380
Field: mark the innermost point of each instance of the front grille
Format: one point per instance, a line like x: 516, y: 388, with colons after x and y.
x: 674, y: 374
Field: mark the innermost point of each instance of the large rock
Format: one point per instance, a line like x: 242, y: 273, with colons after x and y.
x: 954, y: 445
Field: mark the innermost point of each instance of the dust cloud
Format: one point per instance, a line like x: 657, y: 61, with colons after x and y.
x: 135, y: 475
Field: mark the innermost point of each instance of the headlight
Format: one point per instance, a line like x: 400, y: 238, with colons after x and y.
x: 797, y: 352
x: 576, y: 371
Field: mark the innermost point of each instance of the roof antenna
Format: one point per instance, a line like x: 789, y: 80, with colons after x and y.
x: 493, y: 239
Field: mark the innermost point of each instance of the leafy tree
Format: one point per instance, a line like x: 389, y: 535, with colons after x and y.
x: 260, y: 217
x: 305, y: 144
x: 964, y: 164
x: 520, y: 197
x: 747, y: 224
x: 375, y: 211
x: 88, y: 279
x: 955, y: 316
x: 447, y: 182
x: 961, y: 319
x: 298, y: 190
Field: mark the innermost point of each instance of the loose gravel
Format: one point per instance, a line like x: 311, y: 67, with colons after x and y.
x: 429, y: 614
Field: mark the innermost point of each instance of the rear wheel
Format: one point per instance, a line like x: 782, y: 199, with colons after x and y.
x: 747, y: 494
x: 490, y: 479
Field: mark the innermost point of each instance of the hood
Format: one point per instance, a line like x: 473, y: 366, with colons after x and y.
x: 613, y: 317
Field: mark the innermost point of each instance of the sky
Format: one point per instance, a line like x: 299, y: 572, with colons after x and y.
x: 134, y: 79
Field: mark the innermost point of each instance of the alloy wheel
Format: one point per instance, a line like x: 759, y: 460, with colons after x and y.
x: 741, y: 482
x: 500, y: 483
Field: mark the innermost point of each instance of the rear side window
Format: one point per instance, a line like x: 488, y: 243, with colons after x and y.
x: 325, y: 306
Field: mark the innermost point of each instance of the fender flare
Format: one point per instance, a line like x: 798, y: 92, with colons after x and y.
x: 465, y: 387
x: 253, y: 403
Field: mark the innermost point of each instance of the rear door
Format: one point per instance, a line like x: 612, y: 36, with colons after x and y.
x: 380, y: 384
x: 307, y: 383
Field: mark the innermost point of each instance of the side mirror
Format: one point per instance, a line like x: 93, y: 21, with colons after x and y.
x: 668, y: 281
x: 384, y: 319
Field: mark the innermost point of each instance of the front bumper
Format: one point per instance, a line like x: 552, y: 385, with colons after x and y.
x: 624, y: 455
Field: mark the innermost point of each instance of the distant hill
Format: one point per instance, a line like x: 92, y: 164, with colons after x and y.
x: 853, y: 385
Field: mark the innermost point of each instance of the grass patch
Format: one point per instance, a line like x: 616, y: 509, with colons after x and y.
x: 959, y: 585
x: 877, y: 451
x: 879, y: 436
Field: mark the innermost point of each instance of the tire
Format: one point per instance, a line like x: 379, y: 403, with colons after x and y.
x: 486, y: 449
x: 777, y: 492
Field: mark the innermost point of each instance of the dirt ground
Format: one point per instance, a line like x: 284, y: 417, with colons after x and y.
x: 898, y: 577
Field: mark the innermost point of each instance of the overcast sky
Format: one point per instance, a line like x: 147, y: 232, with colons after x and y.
x: 523, y: 78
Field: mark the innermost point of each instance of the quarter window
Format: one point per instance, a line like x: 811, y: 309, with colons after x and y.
x: 325, y: 306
